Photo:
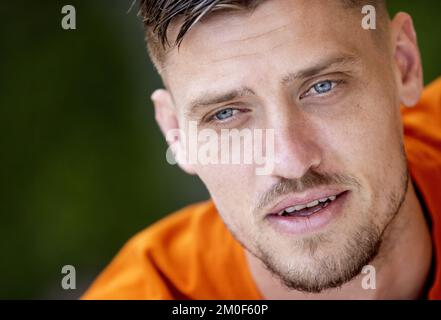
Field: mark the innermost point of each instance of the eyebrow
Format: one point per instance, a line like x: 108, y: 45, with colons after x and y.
x: 318, y: 68
x: 209, y: 99
x: 212, y: 99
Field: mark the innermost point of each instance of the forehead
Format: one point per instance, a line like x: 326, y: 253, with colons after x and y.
x: 237, y: 48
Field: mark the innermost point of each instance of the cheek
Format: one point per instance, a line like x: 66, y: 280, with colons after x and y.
x: 231, y: 187
x: 227, y: 183
x: 365, y: 130
x: 367, y: 144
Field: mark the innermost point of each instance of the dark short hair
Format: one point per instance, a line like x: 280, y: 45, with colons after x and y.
x: 158, y: 15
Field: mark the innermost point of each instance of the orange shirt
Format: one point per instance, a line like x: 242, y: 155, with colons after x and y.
x: 191, y: 255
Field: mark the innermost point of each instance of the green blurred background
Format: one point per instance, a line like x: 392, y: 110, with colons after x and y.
x: 82, y: 162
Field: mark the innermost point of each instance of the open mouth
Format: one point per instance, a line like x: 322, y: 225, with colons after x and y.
x: 308, y: 209
x: 293, y: 217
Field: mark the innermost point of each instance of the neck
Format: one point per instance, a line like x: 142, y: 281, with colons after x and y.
x: 401, y: 266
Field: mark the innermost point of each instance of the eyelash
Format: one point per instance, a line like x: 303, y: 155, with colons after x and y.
x: 211, y: 118
x: 334, y: 84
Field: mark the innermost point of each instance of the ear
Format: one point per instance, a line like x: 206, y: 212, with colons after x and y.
x: 165, y: 115
x: 409, y: 71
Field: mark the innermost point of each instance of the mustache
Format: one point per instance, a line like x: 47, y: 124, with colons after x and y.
x: 309, y: 180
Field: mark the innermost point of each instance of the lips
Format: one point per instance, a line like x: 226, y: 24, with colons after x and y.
x: 311, y: 199
x: 300, y: 214
x: 308, y: 208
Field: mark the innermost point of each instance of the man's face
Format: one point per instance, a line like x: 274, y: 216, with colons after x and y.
x: 326, y: 86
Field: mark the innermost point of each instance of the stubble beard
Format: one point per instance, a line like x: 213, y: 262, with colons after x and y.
x: 327, y: 269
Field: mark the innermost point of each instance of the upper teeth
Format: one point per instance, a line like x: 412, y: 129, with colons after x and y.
x: 307, y: 205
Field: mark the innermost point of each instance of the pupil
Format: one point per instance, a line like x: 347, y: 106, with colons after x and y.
x: 323, y: 87
x: 224, y: 114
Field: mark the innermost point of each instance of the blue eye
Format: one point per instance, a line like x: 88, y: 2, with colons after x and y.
x: 323, y: 87
x: 320, y: 88
x: 224, y: 114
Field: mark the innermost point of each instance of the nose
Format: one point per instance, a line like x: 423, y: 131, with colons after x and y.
x: 296, y: 149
